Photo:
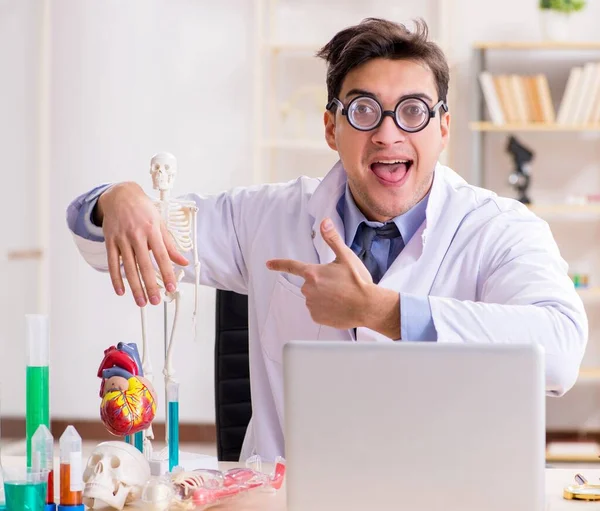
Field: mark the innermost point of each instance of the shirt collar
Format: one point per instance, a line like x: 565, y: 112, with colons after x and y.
x: 352, y: 217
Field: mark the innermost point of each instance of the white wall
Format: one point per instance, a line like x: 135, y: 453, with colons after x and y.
x: 129, y: 80
x: 19, y: 62
x: 133, y: 78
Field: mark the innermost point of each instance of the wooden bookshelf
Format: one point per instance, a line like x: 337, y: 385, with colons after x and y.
x: 523, y: 101
x: 532, y: 126
x: 519, y: 97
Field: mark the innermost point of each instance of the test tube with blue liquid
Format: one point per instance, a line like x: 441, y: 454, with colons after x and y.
x: 173, y: 423
x: 37, y: 376
x: 138, y: 441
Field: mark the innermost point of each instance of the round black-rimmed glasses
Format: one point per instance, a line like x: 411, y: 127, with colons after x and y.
x: 365, y: 113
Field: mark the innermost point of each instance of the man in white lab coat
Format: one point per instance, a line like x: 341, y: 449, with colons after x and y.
x: 388, y: 246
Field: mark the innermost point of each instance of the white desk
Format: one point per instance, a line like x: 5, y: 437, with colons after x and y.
x: 556, y: 480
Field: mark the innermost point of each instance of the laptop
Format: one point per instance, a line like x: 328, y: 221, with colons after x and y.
x: 414, y: 426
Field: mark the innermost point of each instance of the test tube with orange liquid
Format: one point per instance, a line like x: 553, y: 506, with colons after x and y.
x: 71, y: 473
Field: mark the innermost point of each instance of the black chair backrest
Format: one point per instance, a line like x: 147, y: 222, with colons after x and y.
x: 233, y: 406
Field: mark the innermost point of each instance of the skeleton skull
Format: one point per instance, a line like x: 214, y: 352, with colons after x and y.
x: 163, y: 168
x: 115, y: 474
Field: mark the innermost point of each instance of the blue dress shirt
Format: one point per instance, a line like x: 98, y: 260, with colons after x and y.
x: 416, y: 323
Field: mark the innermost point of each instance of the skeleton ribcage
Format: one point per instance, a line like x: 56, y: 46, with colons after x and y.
x: 179, y: 224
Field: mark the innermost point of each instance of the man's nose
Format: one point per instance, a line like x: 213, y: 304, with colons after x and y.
x: 388, y: 133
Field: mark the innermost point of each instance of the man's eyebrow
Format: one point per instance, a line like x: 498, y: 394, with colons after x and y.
x: 364, y: 92
x: 421, y: 95
x: 360, y: 92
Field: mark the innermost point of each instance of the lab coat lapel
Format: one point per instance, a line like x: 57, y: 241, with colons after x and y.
x: 323, y: 204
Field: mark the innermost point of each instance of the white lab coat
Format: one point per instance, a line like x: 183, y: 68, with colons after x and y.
x: 490, y: 267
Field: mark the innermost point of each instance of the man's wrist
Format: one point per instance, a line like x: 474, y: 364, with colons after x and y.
x: 100, y: 206
x: 383, y: 311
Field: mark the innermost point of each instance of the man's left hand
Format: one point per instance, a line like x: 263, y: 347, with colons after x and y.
x: 337, y: 294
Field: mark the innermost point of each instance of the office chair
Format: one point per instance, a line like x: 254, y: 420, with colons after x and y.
x: 233, y: 405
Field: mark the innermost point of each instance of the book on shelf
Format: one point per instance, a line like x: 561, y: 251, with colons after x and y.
x: 517, y: 99
x: 492, y: 97
x: 565, y: 110
x: 524, y: 99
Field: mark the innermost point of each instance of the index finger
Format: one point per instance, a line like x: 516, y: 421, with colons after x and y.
x: 287, y: 266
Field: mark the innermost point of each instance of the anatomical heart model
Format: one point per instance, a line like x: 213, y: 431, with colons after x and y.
x: 128, y: 399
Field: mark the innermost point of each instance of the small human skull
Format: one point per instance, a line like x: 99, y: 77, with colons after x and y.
x: 115, y: 475
x: 163, y: 168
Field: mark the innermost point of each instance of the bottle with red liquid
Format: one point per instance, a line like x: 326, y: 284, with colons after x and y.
x: 71, y: 471
x: 42, y: 458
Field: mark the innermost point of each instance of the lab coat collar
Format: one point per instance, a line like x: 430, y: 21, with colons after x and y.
x: 436, y: 200
x: 323, y: 202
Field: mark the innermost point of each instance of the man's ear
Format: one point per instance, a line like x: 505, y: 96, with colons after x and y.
x: 445, y: 129
x: 329, y: 121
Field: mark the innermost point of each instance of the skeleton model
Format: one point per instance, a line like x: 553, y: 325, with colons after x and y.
x: 179, y: 217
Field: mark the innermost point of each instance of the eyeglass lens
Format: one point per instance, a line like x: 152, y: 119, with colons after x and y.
x: 365, y: 113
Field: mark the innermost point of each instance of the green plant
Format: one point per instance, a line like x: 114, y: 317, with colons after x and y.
x: 566, y: 6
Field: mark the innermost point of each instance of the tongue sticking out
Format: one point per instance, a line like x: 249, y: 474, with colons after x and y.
x: 392, y: 172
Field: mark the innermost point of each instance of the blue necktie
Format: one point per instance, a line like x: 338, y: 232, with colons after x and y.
x: 368, y: 235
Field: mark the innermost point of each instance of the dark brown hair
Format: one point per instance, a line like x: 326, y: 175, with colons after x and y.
x: 377, y: 38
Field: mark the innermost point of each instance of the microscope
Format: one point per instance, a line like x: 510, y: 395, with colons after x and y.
x: 520, y: 178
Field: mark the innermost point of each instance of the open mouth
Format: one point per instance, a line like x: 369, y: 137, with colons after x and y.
x: 391, y: 172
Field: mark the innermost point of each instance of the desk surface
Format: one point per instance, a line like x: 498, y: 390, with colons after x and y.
x: 556, y: 480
